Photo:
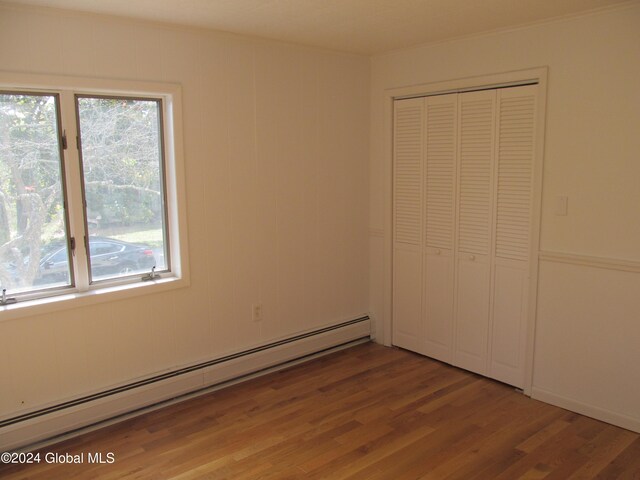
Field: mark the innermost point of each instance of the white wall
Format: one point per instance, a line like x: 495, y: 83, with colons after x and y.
x: 276, y: 158
x: 588, y: 330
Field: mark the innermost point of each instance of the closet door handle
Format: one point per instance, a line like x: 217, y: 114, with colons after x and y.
x: 437, y: 251
x: 472, y: 257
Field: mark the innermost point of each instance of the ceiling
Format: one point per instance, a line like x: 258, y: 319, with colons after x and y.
x: 357, y: 26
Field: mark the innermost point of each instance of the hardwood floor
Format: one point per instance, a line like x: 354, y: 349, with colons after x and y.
x: 369, y: 412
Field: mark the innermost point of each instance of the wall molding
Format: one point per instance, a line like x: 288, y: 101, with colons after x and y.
x: 591, y: 261
x: 598, y: 413
x: 42, y: 425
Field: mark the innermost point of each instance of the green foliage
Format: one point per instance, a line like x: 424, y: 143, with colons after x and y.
x: 30, y: 187
x: 121, y: 160
x: 29, y: 157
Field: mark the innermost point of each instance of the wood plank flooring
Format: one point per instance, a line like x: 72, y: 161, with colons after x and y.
x: 368, y: 412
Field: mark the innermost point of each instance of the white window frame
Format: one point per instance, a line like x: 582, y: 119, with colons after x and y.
x: 84, y: 293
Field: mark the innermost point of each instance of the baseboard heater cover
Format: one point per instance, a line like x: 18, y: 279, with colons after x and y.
x: 44, y: 423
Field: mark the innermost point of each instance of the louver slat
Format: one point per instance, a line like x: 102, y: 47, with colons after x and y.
x: 515, y: 170
x: 408, y: 151
x: 440, y: 170
x: 476, y: 151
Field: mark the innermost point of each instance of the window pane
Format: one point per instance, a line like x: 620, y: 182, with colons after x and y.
x: 122, y: 162
x: 33, y: 239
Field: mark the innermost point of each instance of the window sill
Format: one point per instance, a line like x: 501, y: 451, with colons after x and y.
x: 67, y: 301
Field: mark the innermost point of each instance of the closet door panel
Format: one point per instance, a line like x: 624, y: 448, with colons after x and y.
x: 509, y: 315
x: 474, y: 226
x: 440, y: 188
x: 407, y: 299
x: 408, y: 224
x: 513, y: 197
x: 514, y: 152
x: 476, y: 145
x: 408, y: 171
x: 440, y: 162
x: 438, y: 307
x: 472, y: 312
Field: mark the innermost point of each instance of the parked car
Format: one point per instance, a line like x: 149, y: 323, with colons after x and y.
x: 109, y: 258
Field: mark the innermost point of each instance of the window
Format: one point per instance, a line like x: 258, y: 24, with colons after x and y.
x: 122, y: 167
x: 33, y: 222
x: 88, y: 190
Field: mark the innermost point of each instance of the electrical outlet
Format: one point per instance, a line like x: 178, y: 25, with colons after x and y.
x: 257, y: 312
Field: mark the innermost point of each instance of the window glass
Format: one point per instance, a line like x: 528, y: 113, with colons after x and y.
x: 123, y: 175
x: 102, y: 248
x: 32, y: 216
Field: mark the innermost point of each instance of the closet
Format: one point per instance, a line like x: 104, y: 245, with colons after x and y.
x: 462, y: 207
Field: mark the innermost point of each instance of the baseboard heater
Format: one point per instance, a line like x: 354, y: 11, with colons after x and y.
x: 81, y: 412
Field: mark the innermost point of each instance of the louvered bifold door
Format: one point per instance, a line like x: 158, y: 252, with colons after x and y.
x: 476, y: 112
x: 408, y: 222
x: 440, y: 188
x: 513, y: 198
